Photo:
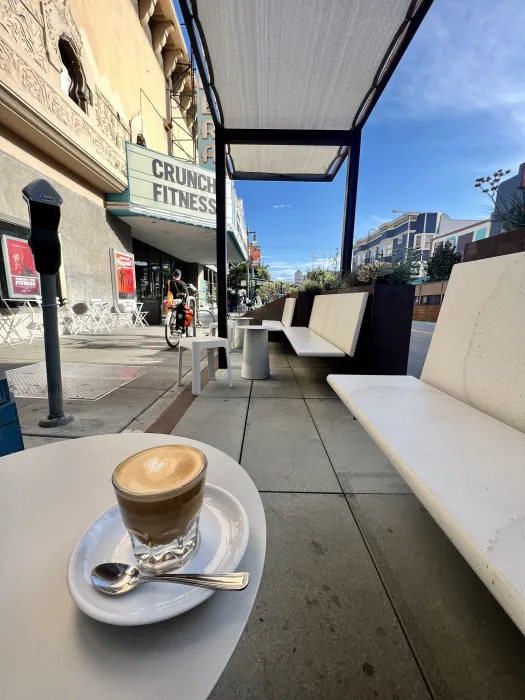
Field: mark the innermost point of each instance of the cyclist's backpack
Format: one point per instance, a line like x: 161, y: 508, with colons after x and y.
x: 183, y: 316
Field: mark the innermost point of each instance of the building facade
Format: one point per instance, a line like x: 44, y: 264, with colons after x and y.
x: 413, y: 231
x: 459, y: 237
x: 92, y: 91
x: 392, y: 240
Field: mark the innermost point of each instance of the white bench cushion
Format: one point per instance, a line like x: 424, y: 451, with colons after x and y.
x: 276, y: 325
x: 477, y: 352
x: 337, y: 318
x: 289, y: 308
x: 306, y: 343
x: 466, y: 468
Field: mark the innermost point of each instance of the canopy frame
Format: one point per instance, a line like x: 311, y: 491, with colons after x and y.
x: 348, y: 141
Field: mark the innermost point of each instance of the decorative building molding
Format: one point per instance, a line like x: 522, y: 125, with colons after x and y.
x: 19, y: 21
x: 170, y: 57
x: 61, y: 108
x: 160, y: 31
x: 146, y: 10
x: 109, y: 122
x: 59, y: 22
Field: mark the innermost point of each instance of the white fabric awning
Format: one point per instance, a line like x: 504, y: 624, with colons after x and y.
x: 298, y: 64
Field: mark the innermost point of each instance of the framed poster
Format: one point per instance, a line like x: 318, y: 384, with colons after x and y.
x: 23, y: 281
x: 123, y: 271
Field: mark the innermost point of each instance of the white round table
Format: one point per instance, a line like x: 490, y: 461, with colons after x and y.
x: 256, y: 354
x: 50, y: 650
x: 240, y: 325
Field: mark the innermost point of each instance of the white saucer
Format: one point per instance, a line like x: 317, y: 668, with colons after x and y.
x: 223, y: 537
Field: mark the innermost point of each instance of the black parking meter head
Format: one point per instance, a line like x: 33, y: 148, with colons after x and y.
x: 44, y: 204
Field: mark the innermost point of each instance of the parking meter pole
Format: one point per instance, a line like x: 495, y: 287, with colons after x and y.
x: 56, y: 415
x: 44, y: 211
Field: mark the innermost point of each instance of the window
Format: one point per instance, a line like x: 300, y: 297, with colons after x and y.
x: 428, y: 242
x: 417, y: 241
x: 72, y: 78
x: 480, y: 234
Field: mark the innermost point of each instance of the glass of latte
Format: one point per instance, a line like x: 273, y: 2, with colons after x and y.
x: 160, y: 493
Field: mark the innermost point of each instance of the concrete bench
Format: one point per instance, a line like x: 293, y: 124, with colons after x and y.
x: 457, y: 436
x: 287, y: 317
x: 334, y: 326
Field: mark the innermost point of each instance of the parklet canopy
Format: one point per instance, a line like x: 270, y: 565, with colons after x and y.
x: 279, y: 72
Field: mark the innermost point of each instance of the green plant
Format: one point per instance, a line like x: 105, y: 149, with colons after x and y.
x: 439, y: 266
x: 510, y: 210
x: 370, y: 273
x: 313, y: 286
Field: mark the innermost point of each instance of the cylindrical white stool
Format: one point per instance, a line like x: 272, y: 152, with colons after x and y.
x: 255, y: 356
x: 240, y: 325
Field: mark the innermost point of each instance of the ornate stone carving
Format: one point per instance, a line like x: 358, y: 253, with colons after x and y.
x: 17, y: 18
x: 60, y: 107
x: 146, y: 10
x: 160, y: 31
x: 170, y: 56
x: 109, y: 123
x: 58, y: 22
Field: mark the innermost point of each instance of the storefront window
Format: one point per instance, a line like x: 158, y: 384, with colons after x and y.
x: 153, y: 269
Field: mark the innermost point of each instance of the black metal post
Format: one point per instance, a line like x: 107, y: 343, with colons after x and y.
x: 56, y: 416
x: 352, y: 175
x: 222, y: 240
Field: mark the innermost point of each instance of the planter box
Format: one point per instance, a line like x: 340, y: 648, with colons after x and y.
x: 502, y: 244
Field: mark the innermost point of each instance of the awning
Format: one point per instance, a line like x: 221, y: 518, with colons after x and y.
x: 300, y: 67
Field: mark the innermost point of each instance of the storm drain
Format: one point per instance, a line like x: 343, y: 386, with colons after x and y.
x: 79, y: 381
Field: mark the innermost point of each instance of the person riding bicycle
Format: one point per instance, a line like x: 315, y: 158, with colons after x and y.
x: 177, y: 287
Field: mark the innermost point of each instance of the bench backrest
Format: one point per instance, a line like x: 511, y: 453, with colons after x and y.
x: 289, y: 308
x: 337, y: 318
x: 477, y: 353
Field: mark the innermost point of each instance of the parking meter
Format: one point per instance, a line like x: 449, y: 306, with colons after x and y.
x: 44, y: 204
x: 44, y: 212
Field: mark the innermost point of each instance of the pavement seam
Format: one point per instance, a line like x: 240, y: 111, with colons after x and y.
x: 402, y: 626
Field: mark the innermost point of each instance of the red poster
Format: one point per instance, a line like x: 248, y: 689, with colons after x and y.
x: 125, y: 275
x: 22, y: 277
x: 255, y: 255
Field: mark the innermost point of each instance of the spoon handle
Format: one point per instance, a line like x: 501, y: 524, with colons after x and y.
x: 225, y: 582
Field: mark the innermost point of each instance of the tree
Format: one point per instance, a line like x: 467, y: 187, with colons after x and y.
x: 439, y: 266
x: 239, y: 272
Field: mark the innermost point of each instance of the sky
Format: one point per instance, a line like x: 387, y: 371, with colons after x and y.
x: 453, y: 111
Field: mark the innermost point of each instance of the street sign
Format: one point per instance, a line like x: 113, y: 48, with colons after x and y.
x: 243, y: 283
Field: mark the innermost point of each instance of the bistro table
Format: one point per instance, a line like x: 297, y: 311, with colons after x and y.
x: 240, y: 325
x: 256, y: 354
x: 50, y: 650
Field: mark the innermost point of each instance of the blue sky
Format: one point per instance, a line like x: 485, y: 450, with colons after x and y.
x: 454, y: 111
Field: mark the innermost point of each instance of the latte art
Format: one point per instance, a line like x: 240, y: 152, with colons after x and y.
x: 159, y: 470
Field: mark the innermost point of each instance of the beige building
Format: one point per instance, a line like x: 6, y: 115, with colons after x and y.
x: 90, y: 92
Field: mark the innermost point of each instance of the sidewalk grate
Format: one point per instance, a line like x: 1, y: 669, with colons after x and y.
x: 79, y: 381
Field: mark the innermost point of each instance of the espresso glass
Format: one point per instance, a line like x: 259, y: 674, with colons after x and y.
x: 163, y: 525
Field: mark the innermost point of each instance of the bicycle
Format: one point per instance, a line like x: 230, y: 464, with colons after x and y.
x: 172, y: 333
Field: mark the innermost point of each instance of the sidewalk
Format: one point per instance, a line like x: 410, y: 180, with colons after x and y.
x: 134, y: 406
x: 362, y: 594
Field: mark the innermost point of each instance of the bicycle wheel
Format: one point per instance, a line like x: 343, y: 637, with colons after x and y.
x: 172, y: 335
x: 204, y: 318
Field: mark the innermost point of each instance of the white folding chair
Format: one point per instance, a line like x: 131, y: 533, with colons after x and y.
x: 15, y: 316
x: 36, y: 323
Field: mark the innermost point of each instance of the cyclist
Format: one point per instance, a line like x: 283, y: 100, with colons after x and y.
x: 177, y: 287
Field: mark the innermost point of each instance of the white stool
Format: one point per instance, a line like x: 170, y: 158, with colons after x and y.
x: 256, y: 355
x: 196, y: 345
x: 214, y: 329
x: 240, y: 325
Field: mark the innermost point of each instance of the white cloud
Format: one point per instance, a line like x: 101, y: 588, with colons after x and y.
x: 281, y: 206
x: 467, y: 57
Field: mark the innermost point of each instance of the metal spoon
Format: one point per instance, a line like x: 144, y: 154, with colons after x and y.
x: 116, y: 579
